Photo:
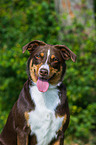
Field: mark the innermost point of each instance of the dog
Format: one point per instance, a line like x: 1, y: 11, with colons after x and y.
x: 40, y: 116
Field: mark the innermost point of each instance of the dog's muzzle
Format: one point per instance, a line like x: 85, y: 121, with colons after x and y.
x: 42, y: 82
x: 43, y: 72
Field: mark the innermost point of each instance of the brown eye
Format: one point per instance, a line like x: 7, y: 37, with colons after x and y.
x: 37, y: 56
x: 55, y: 60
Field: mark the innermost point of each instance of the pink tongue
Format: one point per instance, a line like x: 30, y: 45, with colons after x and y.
x: 42, y: 85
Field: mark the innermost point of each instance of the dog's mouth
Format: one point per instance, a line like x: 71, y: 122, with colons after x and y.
x: 43, y: 82
x: 42, y: 85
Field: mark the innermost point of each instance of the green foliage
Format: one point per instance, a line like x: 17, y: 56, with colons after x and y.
x: 83, y: 122
x: 24, y: 21
x: 2, y: 118
x: 80, y: 78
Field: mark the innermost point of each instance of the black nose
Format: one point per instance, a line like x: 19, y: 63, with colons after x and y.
x: 43, y: 72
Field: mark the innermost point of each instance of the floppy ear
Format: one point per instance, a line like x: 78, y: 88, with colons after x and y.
x: 32, y: 45
x: 66, y: 52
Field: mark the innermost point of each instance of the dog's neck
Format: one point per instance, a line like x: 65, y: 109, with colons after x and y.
x: 49, y: 99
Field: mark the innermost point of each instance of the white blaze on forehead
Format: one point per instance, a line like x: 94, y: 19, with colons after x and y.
x: 45, y: 65
x: 48, y: 54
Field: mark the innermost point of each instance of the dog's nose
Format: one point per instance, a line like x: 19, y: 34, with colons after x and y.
x: 43, y: 72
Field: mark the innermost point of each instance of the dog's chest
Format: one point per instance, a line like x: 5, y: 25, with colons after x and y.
x: 43, y: 122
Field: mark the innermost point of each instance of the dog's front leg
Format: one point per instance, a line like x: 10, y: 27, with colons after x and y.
x: 22, y: 139
x: 59, y: 142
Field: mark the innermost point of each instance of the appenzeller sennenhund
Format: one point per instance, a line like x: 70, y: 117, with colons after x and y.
x: 40, y: 116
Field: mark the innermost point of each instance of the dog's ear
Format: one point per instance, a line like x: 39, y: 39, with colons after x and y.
x: 66, y: 52
x: 32, y: 45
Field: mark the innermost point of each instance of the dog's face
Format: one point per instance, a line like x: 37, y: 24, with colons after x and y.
x: 46, y: 64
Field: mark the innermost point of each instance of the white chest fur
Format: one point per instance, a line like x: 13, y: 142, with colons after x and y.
x: 43, y: 122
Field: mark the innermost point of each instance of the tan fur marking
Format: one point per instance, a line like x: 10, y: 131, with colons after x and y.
x: 64, y: 121
x: 36, y: 67
x: 27, y: 140
x: 26, y: 117
x: 53, y: 56
x: 57, y: 77
x: 19, y: 140
x: 65, y: 118
x: 42, y: 54
x: 33, y: 75
x: 57, y: 143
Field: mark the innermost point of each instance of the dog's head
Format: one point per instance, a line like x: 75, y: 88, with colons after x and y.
x: 46, y: 64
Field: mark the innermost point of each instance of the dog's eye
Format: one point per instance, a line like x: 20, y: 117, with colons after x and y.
x: 37, y: 56
x: 55, y: 60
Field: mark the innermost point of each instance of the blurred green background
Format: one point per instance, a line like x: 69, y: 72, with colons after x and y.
x: 22, y: 21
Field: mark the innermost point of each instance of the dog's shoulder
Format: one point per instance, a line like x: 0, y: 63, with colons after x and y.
x: 62, y: 108
x: 62, y: 93
x: 25, y: 98
x: 23, y: 104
